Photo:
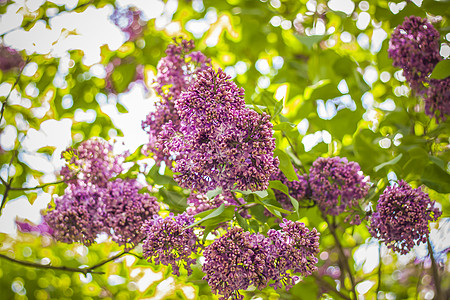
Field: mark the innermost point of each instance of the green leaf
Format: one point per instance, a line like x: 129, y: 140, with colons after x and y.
x: 214, y: 193
x: 436, y: 178
x: 284, y: 126
x: 388, y: 163
x: 278, y: 108
x: 137, y: 155
x: 261, y: 194
x: 441, y: 70
x: 154, y: 177
x: 47, y: 150
x: 214, y: 213
x: 121, y: 108
x: 122, y: 76
x: 285, y: 165
x: 173, y: 199
x: 311, y: 40
x: 241, y: 221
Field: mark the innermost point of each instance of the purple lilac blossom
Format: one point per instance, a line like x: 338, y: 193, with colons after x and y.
x: 438, y: 98
x: 93, y: 161
x: 77, y: 216
x: 414, y: 47
x: 221, y: 143
x: 294, y: 248
x: 176, y: 71
x: 402, y: 216
x: 9, y: 58
x: 129, y: 21
x: 126, y: 210
x: 26, y: 227
x: 239, y: 259
x: 235, y: 261
x: 168, y: 241
x: 336, y: 184
x: 298, y: 189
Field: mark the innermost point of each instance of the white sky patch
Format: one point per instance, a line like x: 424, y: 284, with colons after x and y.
x: 345, y: 6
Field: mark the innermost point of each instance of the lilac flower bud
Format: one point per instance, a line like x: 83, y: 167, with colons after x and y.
x: 336, y: 184
x: 402, y: 216
x: 167, y: 241
x: 414, y: 47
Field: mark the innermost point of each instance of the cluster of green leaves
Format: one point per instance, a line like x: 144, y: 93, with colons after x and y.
x: 400, y: 139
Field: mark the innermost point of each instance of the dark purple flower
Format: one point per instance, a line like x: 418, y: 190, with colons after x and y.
x: 235, y: 261
x: 414, y: 47
x: 126, y: 210
x: 402, y: 216
x: 93, y: 161
x: 168, y: 241
x: 437, y: 98
x: 221, y: 143
x: 336, y: 184
x: 77, y: 216
x: 9, y: 59
x: 294, y: 248
x: 176, y: 72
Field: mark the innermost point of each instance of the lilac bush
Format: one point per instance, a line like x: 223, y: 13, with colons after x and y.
x: 402, y: 216
x: 414, y: 47
x: 169, y: 242
x: 337, y: 184
x: 437, y: 98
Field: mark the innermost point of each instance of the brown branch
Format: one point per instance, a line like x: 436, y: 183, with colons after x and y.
x: 85, y: 271
x: 2, y: 111
x: 435, y: 272
x: 342, y: 256
x: 330, y: 287
x: 36, y: 187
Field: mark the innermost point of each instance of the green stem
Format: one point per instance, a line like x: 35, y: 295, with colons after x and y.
x: 380, y: 263
x: 330, y: 287
x: 342, y: 256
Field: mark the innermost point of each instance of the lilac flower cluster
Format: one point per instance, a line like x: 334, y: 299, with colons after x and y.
x: 9, y: 59
x: 176, y: 72
x: 298, y: 189
x: 93, y: 161
x: 438, y: 98
x: 336, y: 184
x: 169, y: 242
x: 414, y: 47
x: 200, y: 202
x: 239, y: 259
x: 93, y: 203
x: 129, y: 21
x: 220, y: 142
x: 402, y: 216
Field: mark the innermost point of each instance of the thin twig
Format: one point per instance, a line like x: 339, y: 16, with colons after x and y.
x: 330, y: 287
x: 379, y: 269
x: 343, y: 257
x: 84, y: 271
x: 435, y: 272
x: 36, y: 187
x: 2, y: 111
